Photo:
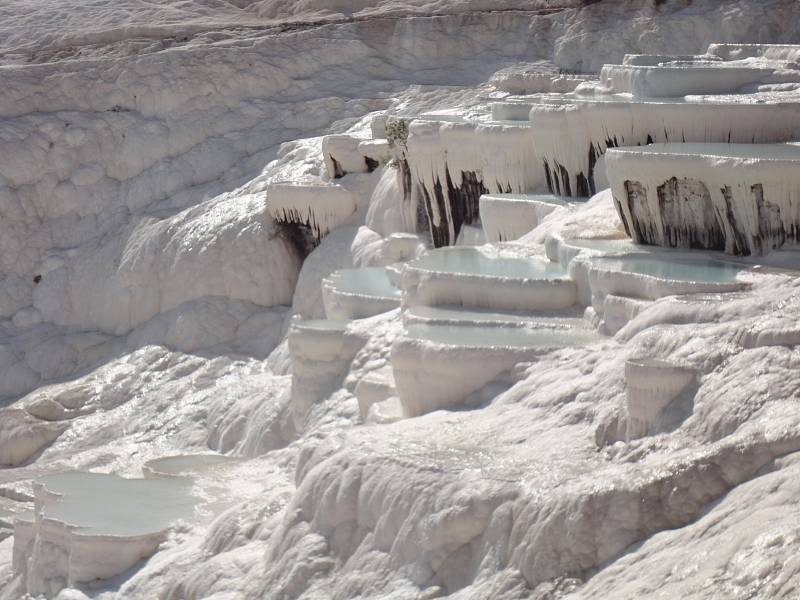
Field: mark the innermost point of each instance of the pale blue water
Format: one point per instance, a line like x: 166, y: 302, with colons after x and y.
x: 321, y: 325
x: 369, y: 281
x: 435, y: 313
x: 701, y: 270
x: 625, y: 245
x: 112, y: 505
x: 183, y: 464
x: 517, y: 337
x: 470, y: 261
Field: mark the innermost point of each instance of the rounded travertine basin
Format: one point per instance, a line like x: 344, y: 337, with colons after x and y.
x: 512, y: 109
x: 650, y: 276
x: 359, y: 293
x: 564, y: 251
x: 321, y: 340
x: 572, y: 133
x: 319, y: 206
x: 109, y: 505
x: 492, y: 336
x: 507, y: 217
x: 317, y: 326
x: 435, y: 315
x: 101, y: 524
x: 651, y: 60
x: 472, y: 278
x: 675, y: 80
x: 186, y: 465
x: 439, y: 366
x: 740, y: 198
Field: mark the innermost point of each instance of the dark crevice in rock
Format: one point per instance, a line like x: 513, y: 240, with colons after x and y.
x: 739, y: 242
x: 565, y: 180
x: 411, y: 194
x: 772, y: 233
x: 558, y: 179
x: 464, y: 200
x: 593, y: 156
x: 583, y: 186
x: 548, y: 177
x: 338, y: 171
x: 689, y: 219
x: 456, y: 205
x: 371, y: 163
x: 303, y: 236
x: 642, y: 227
x: 625, y: 225
x: 688, y: 215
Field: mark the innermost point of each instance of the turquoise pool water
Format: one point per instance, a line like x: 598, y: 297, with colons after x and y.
x: 517, y: 337
x: 369, y: 281
x: 704, y: 271
x: 470, y: 261
x: 321, y: 325
x: 435, y: 313
x: 111, y: 505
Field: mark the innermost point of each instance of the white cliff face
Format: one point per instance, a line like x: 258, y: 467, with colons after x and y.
x: 593, y: 426
x: 740, y: 198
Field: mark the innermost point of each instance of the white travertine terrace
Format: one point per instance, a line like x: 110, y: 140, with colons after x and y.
x: 472, y: 278
x: 321, y: 351
x: 781, y: 52
x: 433, y: 315
x: 740, y: 198
x: 89, y: 526
x: 572, y: 137
x: 506, y: 217
x: 321, y: 207
x: 648, y: 276
x: 376, y: 394
x: 673, y: 81
x: 454, y: 163
x: 558, y: 140
x: 186, y: 465
x: 512, y: 108
x: 485, y: 440
x: 564, y: 251
x: 346, y: 153
x: 359, y: 293
x: 650, y: 60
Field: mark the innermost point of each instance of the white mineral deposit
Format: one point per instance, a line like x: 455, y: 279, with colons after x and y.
x: 399, y: 300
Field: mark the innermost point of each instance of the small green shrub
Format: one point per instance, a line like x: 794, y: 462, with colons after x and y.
x: 397, y: 133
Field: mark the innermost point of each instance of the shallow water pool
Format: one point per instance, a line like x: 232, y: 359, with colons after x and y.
x: 516, y: 337
x: 617, y: 245
x: 184, y: 464
x: 469, y: 261
x: 369, y: 281
x: 435, y: 313
x: 105, y: 504
x: 320, y: 325
x: 705, y: 271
